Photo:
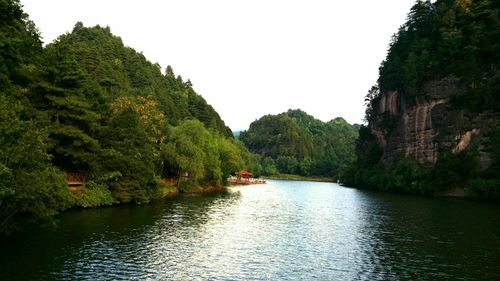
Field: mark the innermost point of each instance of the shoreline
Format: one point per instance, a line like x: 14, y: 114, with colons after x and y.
x: 300, y: 178
x: 165, y: 192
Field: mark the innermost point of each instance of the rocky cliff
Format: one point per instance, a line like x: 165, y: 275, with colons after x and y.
x: 423, y: 126
x: 433, y: 118
x: 427, y: 144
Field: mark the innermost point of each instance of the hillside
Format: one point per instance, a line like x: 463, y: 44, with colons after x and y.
x: 297, y: 143
x: 433, y: 117
x: 117, y: 71
x: 89, y: 105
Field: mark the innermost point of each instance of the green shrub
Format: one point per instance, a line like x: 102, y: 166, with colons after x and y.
x: 93, y: 195
x: 485, y: 188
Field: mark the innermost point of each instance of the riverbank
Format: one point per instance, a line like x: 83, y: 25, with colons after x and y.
x: 207, y: 190
x: 169, y: 191
x: 96, y: 197
x: 299, y: 178
x: 166, y: 191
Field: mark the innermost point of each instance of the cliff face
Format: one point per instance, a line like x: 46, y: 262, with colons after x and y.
x: 433, y: 115
x: 414, y: 134
x: 423, y: 126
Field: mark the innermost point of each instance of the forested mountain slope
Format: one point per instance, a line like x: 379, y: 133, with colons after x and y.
x: 433, y: 117
x: 117, y: 71
x: 88, y: 104
x: 297, y: 143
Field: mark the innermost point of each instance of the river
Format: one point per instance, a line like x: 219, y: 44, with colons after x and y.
x: 284, y: 230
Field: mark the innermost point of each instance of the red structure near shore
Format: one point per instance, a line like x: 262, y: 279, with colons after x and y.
x: 244, y: 177
x: 75, y: 181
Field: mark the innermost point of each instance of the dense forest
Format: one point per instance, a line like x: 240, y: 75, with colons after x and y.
x: 87, y: 104
x: 433, y: 117
x: 296, y: 143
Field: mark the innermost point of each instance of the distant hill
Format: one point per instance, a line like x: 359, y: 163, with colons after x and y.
x: 297, y: 143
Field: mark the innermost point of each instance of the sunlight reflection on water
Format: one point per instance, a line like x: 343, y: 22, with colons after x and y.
x: 280, y: 231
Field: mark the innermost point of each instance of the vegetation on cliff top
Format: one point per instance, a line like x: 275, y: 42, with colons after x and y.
x: 87, y: 103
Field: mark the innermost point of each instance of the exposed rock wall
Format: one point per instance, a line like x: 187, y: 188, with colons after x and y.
x: 464, y: 140
x: 418, y: 133
x: 414, y: 134
x: 389, y: 103
x: 421, y: 127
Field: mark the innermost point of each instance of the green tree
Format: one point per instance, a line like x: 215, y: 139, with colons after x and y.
x: 230, y: 156
x: 183, y: 151
x: 31, y: 189
x: 269, y: 167
x: 324, y: 148
x: 127, y: 159
x: 277, y: 135
x: 69, y: 104
x: 306, y: 166
x: 287, y: 164
x: 20, y: 46
x: 253, y: 163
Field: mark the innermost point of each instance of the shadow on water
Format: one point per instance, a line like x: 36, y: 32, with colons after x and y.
x: 409, y: 237
x: 280, y: 231
x: 38, y: 252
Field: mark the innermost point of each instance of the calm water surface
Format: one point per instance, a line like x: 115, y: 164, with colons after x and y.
x: 280, y: 231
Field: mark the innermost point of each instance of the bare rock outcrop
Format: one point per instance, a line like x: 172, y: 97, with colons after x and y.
x: 464, y: 140
x: 423, y: 126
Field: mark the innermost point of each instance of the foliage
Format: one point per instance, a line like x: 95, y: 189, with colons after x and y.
x: 150, y: 117
x: 30, y: 187
x: 87, y: 103
x: 62, y: 95
x: 252, y: 161
x: 447, y: 38
x: 287, y: 164
x: 368, y: 150
x: 127, y: 153
x: 299, y: 143
x: 201, y: 156
x: 93, y: 195
x: 306, y: 166
x: 485, y: 189
x: 269, y: 167
x: 20, y: 45
x: 119, y: 72
x: 440, y: 40
x: 276, y: 136
x: 486, y: 184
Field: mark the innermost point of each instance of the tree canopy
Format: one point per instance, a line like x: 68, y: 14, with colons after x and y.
x: 445, y: 40
x: 297, y: 143
x: 86, y: 103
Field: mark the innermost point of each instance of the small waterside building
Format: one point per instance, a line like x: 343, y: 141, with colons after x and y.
x: 243, y: 174
x: 75, y: 181
x: 244, y: 177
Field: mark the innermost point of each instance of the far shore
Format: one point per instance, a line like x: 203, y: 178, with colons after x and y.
x: 299, y: 178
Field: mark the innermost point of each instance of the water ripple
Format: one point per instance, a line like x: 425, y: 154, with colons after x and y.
x: 280, y: 231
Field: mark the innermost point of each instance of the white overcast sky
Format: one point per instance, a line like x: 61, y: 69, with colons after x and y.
x: 253, y: 57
